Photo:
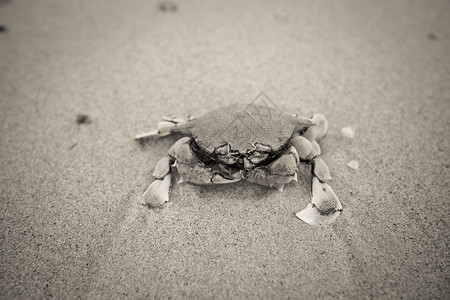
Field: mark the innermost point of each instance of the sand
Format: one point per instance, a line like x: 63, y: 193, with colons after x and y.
x: 71, y: 224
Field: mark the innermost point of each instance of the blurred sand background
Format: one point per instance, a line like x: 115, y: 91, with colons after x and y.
x: 71, y: 224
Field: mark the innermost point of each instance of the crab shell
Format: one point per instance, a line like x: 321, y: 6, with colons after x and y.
x: 257, y: 143
x: 242, y: 127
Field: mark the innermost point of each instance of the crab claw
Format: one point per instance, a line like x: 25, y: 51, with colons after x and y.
x: 324, y: 208
x: 158, y: 192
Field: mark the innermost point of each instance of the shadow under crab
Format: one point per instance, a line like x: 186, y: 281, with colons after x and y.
x: 255, y: 143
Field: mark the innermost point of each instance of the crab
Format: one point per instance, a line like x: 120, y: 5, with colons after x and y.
x: 256, y: 143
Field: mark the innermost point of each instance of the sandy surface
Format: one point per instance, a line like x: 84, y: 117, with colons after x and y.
x: 71, y: 225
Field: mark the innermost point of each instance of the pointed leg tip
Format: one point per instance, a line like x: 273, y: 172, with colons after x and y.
x: 307, y: 215
x: 141, y: 136
x: 311, y: 215
x: 158, y: 192
x: 153, y: 200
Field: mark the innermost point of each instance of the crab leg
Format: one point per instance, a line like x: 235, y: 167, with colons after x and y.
x: 325, y: 206
x: 189, y: 168
x: 278, y: 173
x: 158, y: 192
x: 166, y: 128
x: 171, y: 124
x: 319, y: 130
x: 306, y: 151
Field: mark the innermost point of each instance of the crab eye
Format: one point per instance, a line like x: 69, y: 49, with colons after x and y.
x: 224, y: 150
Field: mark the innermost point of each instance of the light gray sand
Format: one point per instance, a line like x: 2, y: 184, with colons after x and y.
x: 71, y: 225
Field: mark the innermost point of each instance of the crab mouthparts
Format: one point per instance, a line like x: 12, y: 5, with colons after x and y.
x: 244, y: 161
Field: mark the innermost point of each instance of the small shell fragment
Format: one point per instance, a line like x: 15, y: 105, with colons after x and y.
x: 348, y: 132
x: 353, y: 164
x: 158, y: 192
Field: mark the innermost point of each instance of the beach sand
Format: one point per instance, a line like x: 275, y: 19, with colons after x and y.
x: 71, y: 222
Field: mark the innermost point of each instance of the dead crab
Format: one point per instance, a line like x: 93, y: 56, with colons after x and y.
x: 255, y: 143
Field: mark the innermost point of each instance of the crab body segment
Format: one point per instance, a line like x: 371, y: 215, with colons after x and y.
x: 256, y: 143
